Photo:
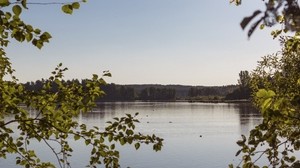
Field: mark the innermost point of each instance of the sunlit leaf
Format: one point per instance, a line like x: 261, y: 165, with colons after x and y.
x: 76, y: 5
x: 17, y: 10
x: 4, y: 3
x: 68, y: 9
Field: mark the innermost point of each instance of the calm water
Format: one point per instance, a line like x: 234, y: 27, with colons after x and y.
x: 196, y: 134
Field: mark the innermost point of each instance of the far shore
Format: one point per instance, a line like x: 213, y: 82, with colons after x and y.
x: 220, y: 101
x: 190, y: 101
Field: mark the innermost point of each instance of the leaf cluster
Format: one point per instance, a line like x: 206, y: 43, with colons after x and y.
x: 276, y: 86
x: 54, y: 120
x: 284, y: 12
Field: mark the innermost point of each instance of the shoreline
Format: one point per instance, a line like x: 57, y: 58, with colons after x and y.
x: 190, y: 101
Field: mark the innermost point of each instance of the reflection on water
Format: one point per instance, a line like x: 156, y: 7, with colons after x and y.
x: 196, y: 134
x: 249, y: 116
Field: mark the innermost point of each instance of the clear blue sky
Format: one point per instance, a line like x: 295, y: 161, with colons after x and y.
x: 193, y: 42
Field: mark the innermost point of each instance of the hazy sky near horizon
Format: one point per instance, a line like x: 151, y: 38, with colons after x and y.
x: 190, y: 42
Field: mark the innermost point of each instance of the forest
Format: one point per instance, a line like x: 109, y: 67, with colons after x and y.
x: 156, y: 92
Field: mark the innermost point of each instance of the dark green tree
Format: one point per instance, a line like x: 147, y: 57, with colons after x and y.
x: 243, y: 91
x: 244, y: 79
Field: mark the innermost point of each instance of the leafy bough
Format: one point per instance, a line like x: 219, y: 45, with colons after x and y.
x: 54, y: 122
x: 57, y: 103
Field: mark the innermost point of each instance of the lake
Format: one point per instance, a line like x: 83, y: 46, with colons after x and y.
x: 195, y: 135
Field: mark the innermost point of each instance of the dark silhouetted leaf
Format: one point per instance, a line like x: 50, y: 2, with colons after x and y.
x: 246, y: 20
x: 253, y: 27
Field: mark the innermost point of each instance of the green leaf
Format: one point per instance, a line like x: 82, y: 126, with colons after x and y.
x: 46, y: 35
x: 95, y: 76
x: 8, y: 15
x: 87, y: 142
x: 292, y: 159
x: 17, y: 10
x: 68, y: 9
x: 76, y: 5
x: 4, y: 3
x: 137, y: 146
x: 39, y: 45
x: 262, y: 26
x: 122, y: 141
x: 24, y: 4
x: 266, y: 104
x: 76, y: 137
x: 112, y: 146
x: 28, y: 37
x: 261, y: 93
x: 103, y: 153
x: 37, y: 31
x: 110, y: 137
x: 19, y: 143
x: 29, y: 28
x: 264, y: 94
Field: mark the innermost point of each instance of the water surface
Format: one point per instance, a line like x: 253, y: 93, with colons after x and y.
x: 196, y: 134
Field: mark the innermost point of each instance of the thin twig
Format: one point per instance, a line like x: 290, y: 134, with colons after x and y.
x: 17, y: 151
x: 53, y: 150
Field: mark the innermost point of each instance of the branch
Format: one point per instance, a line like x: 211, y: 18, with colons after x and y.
x: 17, y: 151
x: 263, y: 152
x: 55, y: 153
x: 12, y: 121
x: 46, y: 142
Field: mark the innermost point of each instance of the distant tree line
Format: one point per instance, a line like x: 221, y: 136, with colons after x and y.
x: 115, y: 92
x: 157, y: 94
x: 243, y: 91
x: 211, y: 91
x: 201, y: 93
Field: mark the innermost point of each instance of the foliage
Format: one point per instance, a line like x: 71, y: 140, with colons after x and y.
x: 244, y: 79
x: 285, y: 12
x: 276, y: 92
x: 276, y: 84
x: 54, y: 121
